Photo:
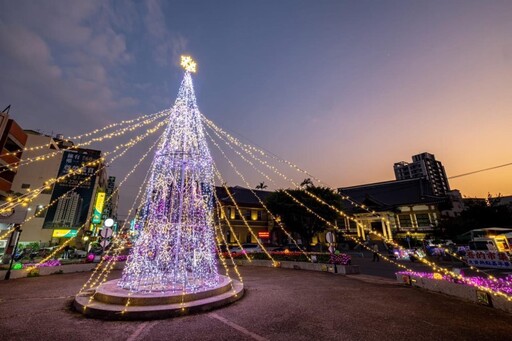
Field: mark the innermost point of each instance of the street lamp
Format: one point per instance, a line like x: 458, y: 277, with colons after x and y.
x: 17, y: 231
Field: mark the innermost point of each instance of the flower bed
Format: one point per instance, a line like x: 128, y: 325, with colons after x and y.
x: 503, y: 285
x: 295, y: 256
x: 50, y: 263
x: 120, y: 258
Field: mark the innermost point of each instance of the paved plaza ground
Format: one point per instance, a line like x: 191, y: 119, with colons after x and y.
x: 280, y: 304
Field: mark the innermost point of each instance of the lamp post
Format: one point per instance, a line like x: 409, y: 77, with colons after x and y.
x: 17, y: 231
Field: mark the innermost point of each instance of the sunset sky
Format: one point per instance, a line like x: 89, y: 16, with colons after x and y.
x: 342, y: 88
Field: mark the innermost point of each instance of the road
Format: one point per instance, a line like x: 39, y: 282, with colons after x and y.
x: 382, y: 268
x: 280, y: 304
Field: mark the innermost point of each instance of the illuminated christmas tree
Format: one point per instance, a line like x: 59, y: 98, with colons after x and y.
x: 176, y: 247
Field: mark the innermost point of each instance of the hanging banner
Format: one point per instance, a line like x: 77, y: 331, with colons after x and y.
x: 98, y: 208
x: 489, y: 259
x: 109, y: 201
x: 72, y: 207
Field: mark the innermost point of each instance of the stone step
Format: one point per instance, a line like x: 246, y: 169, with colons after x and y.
x: 107, y: 311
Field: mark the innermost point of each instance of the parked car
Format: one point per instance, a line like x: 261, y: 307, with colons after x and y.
x: 247, y: 248
x: 290, y: 247
x: 223, y: 248
x: 78, y: 254
x: 96, y: 249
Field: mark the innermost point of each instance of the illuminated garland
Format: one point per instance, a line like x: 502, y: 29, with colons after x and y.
x: 175, y: 250
x: 71, y: 139
x: 231, y: 229
x: 248, y: 148
x: 58, y: 249
x: 224, y: 264
x: 25, y: 199
x: 219, y: 176
x: 257, y: 197
x: 121, y: 132
x: 117, y: 244
x: 275, y: 170
x: 503, y: 285
x: 221, y: 256
x: 430, y: 264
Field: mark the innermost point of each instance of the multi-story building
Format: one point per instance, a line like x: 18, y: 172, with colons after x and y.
x: 75, y: 210
x: 426, y: 166
x: 71, y: 200
x: 12, y: 143
x: 407, y: 206
x: 31, y: 176
x: 254, y: 214
x: 68, y: 210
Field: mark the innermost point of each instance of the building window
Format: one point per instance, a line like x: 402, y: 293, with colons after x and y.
x: 340, y: 223
x: 231, y: 213
x: 247, y: 214
x: 405, y: 220
x: 12, y: 147
x: 255, y: 215
x: 25, y: 186
x: 40, y: 212
x: 423, y: 219
x: 352, y: 225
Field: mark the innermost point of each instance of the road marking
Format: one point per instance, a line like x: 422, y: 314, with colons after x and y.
x: 373, y: 279
x: 142, y: 329
x: 238, y: 327
x: 37, y: 298
x: 433, y: 325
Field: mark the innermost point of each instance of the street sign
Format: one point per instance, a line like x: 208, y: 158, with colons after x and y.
x: 106, y: 232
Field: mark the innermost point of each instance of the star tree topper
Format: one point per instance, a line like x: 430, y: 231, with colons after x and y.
x: 188, y: 64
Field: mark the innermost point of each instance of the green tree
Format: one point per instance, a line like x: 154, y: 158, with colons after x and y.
x: 296, y: 218
x: 478, y: 214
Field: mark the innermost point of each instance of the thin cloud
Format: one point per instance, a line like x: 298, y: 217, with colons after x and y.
x: 168, y: 46
x: 60, y: 52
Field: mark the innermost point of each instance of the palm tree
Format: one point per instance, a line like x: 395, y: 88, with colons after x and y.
x: 306, y: 183
x: 261, y: 185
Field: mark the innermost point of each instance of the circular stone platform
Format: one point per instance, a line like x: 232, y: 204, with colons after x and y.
x: 110, y: 302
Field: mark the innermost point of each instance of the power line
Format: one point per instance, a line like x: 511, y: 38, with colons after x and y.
x: 481, y: 170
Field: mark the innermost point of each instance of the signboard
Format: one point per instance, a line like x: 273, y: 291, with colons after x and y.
x: 406, y: 279
x: 264, y: 235
x: 72, y: 207
x: 64, y: 233
x: 98, y: 208
x: 107, y: 209
x: 489, y: 259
